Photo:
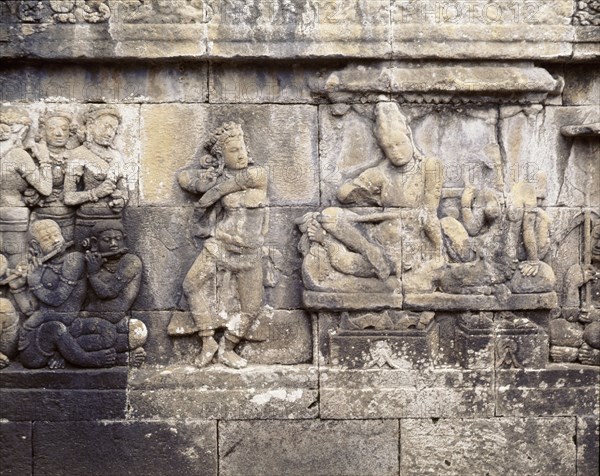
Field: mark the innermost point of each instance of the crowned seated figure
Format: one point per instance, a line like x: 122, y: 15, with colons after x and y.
x: 404, y: 240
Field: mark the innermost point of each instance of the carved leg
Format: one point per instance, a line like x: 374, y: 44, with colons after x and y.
x: 337, y: 222
x: 94, y: 333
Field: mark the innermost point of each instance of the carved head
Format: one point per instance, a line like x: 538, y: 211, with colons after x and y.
x: 101, y: 125
x: 108, y: 237
x: 227, y: 144
x: 393, y: 134
x: 14, y: 123
x: 596, y: 243
x: 56, y: 127
x: 46, y: 237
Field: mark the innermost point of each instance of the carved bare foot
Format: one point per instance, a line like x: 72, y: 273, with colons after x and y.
x: 562, y: 354
x: 4, y: 361
x: 137, y: 357
x: 56, y: 362
x: 209, y: 349
x: 588, y: 355
x: 107, y: 357
x: 231, y: 359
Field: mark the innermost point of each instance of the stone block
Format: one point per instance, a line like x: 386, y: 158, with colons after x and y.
x: 218, y: 392
x: 16, y: 449
x: 588, y: 450
x: 474, y: 343
x: 262, y: 83
x: 160, y: 236
x: 283, y: 338
x: 495, y: 446
x: 582, y: 85
x: 520, y: 29
x: 62, y: 395
x: 559, y: 390
x: 123, y: 448
x: 297, y: 28
x: 372, y: 394
x: 173, y: 137
x: 308, y: 447
x: 124, y: 83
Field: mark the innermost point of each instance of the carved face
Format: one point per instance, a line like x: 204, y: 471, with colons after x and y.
x: 50, y: 238
x: 110, y: 241
x: 235, y: 154
x: 397, y: 147
x: 57, y: 131
x: 104, y: 129
x: 596, y: 243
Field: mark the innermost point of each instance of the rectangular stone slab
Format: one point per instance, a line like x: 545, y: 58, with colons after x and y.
x: 366, y: 394
x: 495, y: 446
x: 299, y: 448
x: 216, y: 392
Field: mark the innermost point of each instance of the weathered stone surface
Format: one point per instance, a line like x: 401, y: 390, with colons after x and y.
x: 588, y: 451
x: 309, y: 447
x: 582, y: 85
x: 112, y: 84
x: 519, y: 30
x: 559, y: 390
x: 257, y: 392
x: 62, y: 395
x: 492, y: 446
x: 366, y: 394
x: 286, y: 338
x: 15, y: 451
x: 289, y: 155
x: 124, y: 448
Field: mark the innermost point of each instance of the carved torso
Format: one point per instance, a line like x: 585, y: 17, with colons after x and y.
x: 16, y: 166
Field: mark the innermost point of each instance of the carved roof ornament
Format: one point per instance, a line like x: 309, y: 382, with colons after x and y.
x: 587, y: 13
x: 429, y: 84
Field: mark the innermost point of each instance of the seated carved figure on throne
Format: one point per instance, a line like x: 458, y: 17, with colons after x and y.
x: 402, y: 240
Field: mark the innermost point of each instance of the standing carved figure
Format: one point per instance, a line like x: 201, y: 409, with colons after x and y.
x: 22, y: 181
x: 55, y: 130
x: 95, y: 179
x: 234, y: 197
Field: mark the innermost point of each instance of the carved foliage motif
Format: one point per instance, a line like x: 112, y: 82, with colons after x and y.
x: 65, y: 258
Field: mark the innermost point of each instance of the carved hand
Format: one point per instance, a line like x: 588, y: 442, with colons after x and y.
x: 529, y: 268
x: 40, y: 150
x: 22, y: 281
x: 94, y: 262
x: 590, y: 273
x: 316, y: 232
x: 105, y: 188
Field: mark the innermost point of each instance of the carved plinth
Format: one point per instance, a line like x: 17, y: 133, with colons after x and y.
x: 530, y: 347
x: 455, y: 302
x: 474, y: 346
x: 409, y: 349
x: 351, y: 301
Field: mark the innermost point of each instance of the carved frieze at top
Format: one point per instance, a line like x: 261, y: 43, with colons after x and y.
x: 438, y: 84
x: 587, y: 13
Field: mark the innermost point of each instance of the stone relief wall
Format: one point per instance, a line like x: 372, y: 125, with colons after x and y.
x: 280, y: 238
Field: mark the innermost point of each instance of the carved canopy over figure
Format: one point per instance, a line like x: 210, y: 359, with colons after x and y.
x: 96, y: 179
x: 409, y: 187
x: 233, y: 200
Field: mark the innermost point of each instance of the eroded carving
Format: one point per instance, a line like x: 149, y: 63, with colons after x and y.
x: 233, y: 218
x: 74, y: 11
x: 9, y: 321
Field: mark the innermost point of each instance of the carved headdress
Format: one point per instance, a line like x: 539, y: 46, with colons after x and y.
x: 219, y: 137
x: 14, y: 115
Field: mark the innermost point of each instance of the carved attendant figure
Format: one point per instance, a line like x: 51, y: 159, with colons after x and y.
x: 95, y: 178
x: 115, y: 276
x: 56, y: 128
x: 9, y: 322
x: 239, y: 195
x: 51, y: 292
x: 21, y: 181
